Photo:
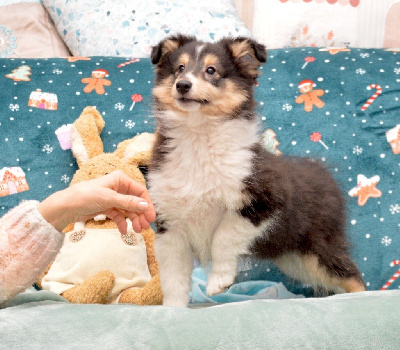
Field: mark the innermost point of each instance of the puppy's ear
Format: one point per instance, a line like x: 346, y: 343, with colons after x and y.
x: 169, y: 45
x: 248, y: 53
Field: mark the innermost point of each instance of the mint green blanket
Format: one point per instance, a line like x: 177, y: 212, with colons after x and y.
x: 368, y: 320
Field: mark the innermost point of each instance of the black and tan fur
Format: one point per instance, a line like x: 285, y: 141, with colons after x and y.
x: 219, y: 194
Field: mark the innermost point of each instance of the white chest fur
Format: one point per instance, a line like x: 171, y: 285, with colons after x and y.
x: 202, y: 175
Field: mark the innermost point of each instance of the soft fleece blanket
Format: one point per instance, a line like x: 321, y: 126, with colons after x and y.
x: 359, y: 321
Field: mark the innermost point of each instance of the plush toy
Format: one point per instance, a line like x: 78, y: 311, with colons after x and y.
x: 96, y: 263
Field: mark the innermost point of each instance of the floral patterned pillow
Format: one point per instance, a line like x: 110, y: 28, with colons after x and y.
x: 132, y: 27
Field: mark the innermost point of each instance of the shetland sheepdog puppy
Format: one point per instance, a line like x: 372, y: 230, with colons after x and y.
x: 219, y: 194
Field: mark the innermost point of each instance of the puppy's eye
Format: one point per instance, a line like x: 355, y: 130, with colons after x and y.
x: 181, y: 68
x: 210, y: 70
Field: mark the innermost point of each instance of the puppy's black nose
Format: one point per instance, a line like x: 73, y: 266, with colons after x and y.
x: 183, y: 86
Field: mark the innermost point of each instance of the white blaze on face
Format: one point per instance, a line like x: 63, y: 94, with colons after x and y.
x: 198, y: 51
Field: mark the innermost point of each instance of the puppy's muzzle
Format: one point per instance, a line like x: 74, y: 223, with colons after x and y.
x: 183, y: 86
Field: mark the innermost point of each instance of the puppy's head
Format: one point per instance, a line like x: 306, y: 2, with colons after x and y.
x: 216, y: 79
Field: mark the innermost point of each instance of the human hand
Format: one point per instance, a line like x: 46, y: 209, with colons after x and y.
x: 112, y: 195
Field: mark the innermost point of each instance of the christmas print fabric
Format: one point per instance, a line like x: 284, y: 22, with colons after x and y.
x: 340, y: 106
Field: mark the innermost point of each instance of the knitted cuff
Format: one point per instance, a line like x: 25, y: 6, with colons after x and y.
x: 28, y: 244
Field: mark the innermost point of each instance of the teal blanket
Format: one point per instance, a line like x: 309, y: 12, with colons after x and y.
x: 353, y: 130
x: 359, y: 321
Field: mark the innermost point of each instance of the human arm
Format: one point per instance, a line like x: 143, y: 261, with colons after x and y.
x: 28, y: 244
x: 29, y: 233
x: 114, y: 195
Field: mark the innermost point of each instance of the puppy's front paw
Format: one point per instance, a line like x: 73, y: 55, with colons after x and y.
x: 218, y: 283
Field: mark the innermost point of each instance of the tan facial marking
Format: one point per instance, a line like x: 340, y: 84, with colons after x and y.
x: 224, y: 100
x: 163, y: 92
x: 210, y: 60
x: 184, y: 59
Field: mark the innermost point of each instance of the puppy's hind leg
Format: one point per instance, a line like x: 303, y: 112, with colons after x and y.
x: 337, y: 275
x: 175, y: 259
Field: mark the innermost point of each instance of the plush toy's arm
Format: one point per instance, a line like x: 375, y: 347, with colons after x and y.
x: 136, y: 150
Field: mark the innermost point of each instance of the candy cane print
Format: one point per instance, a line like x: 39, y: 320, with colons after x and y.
x: 373, y: 97
x: 129, y: 62
x: 394, y: 277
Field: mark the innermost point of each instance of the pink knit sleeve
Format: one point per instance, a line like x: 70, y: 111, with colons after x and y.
x: 28, y: 244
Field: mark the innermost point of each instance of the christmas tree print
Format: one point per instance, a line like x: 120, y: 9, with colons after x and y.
x: 20, y: 74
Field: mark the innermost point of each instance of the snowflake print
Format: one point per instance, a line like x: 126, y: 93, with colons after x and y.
x: 14, y: 107
x: 357, y: 150
x: 287, y: 107
x: 361, y: 71
x: 47, y: 148
x: 395, y: 209
x: 129, y: 124
x: 397, y: 70
x: 386, y: 241
x: 57, y: 71
x: 364, y: 55
x: 65, y: 178
x: 119, y: 106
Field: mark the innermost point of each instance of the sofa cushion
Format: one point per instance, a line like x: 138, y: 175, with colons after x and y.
x: 26, y: 30
x: 132, y: 27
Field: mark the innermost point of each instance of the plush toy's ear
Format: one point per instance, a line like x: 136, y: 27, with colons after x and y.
x: 169, y: 45
x: 136, y: 150
x: 248, y: 53
x: 85, y: 135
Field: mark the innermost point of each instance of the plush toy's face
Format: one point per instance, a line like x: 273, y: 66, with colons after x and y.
x: 104, y: 164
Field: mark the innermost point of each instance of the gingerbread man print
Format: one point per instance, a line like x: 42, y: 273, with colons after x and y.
x: 309, y: 96
x: 96, y: 82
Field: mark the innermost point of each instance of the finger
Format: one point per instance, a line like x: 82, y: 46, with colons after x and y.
x: 143, y: 222
x: 119, y: 218
x: 135, y: 222
x: 131, y: 187
x: 150, y: 212
x: 136, y: 225
x: 110, y: 199
x: 123, y: 184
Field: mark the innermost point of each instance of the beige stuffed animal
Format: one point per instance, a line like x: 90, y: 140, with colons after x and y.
x: 96, y: 263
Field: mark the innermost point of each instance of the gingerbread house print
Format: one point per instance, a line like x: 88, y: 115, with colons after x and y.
x: 43, y: 100
x: 393, y: 137
x: 12, y: 180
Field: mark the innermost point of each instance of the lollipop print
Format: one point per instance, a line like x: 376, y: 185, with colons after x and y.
x: 308, y: 59
x: 316, y: 137
x: 135, y: 98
